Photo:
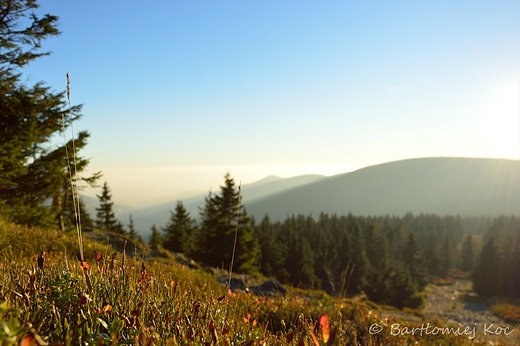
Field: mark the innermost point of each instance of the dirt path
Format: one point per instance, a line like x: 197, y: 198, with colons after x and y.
x: 448, y: 304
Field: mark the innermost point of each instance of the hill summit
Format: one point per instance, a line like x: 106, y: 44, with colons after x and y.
x: 444, y: 186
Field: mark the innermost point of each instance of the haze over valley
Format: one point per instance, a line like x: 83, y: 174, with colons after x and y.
x: 443, y: 186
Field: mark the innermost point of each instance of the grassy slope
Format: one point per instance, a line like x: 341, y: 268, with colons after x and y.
x: 118, y: 300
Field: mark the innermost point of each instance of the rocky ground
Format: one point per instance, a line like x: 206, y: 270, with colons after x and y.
x: 457, y: 305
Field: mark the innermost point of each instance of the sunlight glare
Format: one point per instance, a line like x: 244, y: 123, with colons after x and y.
x: 502, y: 121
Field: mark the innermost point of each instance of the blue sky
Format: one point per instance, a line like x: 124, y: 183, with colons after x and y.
x: 176, y: 93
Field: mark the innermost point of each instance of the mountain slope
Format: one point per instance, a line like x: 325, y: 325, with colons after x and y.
x: 445, y: 186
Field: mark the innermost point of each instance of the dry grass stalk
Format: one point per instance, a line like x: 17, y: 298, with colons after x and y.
x: 236, y: 234
x: 73, y: 178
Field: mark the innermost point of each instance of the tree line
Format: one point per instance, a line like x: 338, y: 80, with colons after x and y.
x: 388, y: 258
x: 497, y: 272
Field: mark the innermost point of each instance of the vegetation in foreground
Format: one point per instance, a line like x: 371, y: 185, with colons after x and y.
x: 48, y: 297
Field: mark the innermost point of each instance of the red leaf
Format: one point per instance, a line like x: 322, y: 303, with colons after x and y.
x: 27, y: 341
x: 290, y: 336
x: 85, y: 265
x: 325, y: 327
x: 211, y: 327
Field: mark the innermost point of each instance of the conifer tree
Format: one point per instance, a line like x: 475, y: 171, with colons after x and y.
x: 155, y: 239
x: 272, y: 259
x: 106, y: 219
x: 431, y: 253
x: 357, y: 254
x: 467, y: 254
x: 299, y: 261
x: 448, y: 254
x: 377, y: 282
x: 325, y: 254
x: 401, y: 286
x: 132, y: 232
x: 414, y: 263
x: 512, y: 284
x: 486, y: 277
x: 31, y: 172
x: 218, y: 229
x: 178, y: 232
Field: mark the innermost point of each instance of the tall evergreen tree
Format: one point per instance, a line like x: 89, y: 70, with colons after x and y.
x: 486, y: 276
x: 379, y: 271
x: 432, y: 253
x: 178, y: 231
x: 448, y: 254
x: 467, y: 254
x: 357, y: 254
x: 219, y: 226
x: 401, y: 286
x: 413, y: 261
x: 325, y: 253
x: 155, y: 239
x: 31, y: 173
x: 271, y: 259
x: 106, y: 219
x: 512, y: 284
x: 299, y: 261
x: 132, y: 232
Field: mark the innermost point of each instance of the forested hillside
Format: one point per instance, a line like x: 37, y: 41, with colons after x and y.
x: 389, y: 258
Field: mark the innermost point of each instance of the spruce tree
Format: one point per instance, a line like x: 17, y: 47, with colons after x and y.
x: 486, y: 277
x: 218, y: 229
x: 270, y: 257
x: 325, y: 254
x: 414, y: 263
x: 357, y: 254
x: 467, y: 254
x: 512, y: 284
x: 178, y: 232
x: 31, y: 172
x: 132, y: 232
x: 401, y: 286
x: 106, y: 219
x: 155, y: 239
x: 300, y: 260
x: 431, y: 253
x: 448, y: 254
x: 377, y: 285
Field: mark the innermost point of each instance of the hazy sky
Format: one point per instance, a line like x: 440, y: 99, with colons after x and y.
x: 176, y: 93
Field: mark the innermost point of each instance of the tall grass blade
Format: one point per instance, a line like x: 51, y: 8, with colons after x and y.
x: 73, y: 178
x: 236, y: 234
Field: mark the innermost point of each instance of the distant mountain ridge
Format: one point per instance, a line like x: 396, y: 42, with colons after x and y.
x: 444, y: 186
x: 91, y: 203
x: 159, y: 215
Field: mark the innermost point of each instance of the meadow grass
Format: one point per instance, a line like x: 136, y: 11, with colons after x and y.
x: 114, y: 300
x: 57, y: 290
